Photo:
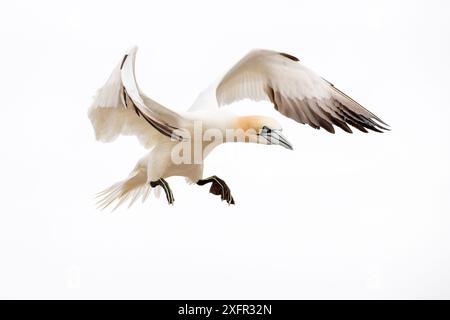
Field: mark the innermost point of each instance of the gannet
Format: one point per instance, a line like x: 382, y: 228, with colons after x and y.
x: 180, y: 141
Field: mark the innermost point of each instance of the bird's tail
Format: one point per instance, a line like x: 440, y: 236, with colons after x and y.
x: 133, y: 188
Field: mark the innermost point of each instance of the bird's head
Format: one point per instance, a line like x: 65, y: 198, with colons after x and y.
x: 263, y: 130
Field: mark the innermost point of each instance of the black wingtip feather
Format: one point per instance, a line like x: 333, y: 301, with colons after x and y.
x: 289, y: 56
x: 123, y: 61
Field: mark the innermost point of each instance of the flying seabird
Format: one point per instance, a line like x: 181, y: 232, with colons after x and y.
x: 179, y: 141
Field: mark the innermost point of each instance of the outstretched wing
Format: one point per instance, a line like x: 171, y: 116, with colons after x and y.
x: 295, y: 91
x: 121, y: 108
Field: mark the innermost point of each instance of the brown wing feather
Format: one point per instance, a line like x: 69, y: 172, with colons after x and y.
x: 326, y: 113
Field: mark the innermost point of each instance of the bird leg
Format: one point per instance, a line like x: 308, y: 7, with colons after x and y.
x: 218, y: 187
x: 163, y: 183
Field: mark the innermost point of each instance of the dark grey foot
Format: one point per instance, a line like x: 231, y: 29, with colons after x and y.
x: 163, y: 183
x: 218, y: 187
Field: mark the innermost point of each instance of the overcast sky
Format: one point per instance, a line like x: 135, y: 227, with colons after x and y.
x: 341, y: 216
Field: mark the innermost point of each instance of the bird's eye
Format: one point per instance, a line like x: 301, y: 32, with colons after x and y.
x: 266, y: 129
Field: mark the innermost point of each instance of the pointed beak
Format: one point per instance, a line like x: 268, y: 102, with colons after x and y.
x: 275, y: 137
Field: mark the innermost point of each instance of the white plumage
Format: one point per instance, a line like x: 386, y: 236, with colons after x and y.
x: 120, y: 107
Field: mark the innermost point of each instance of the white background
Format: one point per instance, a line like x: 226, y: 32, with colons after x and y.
x: 341, y: 216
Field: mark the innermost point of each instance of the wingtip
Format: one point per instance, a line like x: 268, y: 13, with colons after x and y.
x: 133, y: 48
x: 385, y: 126
x: 381, y: 121
x: 132, y: 51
